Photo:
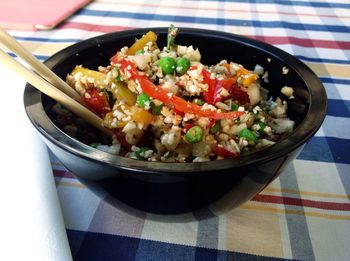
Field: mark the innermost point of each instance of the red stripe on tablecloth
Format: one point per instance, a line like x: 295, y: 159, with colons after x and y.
x: 62, y: 173
x: 343, y: 45
x: 264, y: 198
x: 93, y: 27
x: 302, y: 202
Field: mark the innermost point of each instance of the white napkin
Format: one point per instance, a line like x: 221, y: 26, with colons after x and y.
x: 31, y: 221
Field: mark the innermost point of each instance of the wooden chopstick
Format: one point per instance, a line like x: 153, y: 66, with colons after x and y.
x: 51, y: 91
x: 7, y: 40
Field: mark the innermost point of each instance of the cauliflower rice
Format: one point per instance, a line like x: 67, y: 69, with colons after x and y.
x: 165, y: 105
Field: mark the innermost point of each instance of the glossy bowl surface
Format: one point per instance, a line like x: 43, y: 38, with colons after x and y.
x: 172, y: 188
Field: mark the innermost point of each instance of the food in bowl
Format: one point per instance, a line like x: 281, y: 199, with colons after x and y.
x: 166, y: 187
x: 164, y: 105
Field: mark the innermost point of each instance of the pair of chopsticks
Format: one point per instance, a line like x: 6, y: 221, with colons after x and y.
x: 45, y: 80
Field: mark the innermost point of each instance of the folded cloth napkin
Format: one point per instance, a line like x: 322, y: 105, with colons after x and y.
x: 32, y: 226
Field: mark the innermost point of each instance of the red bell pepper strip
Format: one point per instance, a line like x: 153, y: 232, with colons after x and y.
x: 210, y: 95
x: 96, y: 101
x: 220, y: 151
x: 177, y: 112
x: 156, y: 92
x: 215, y: 86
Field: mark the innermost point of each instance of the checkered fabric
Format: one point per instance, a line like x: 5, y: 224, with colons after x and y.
x: 304, y: 214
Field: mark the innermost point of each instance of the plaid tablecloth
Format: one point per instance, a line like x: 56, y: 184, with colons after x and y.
x: 304, y: 214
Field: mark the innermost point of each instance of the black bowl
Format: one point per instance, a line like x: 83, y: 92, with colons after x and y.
x: 171, y: 188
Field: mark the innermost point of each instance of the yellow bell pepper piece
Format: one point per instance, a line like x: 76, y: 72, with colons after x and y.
x: 98, y: 77
x: 138, y: 115
x: 247, y: 77
x: 120, y: 93
x: 108, y: 119
x: 123, y: 93
x: 249, y: 80
x: 142, y: 116
x: 140, y: 43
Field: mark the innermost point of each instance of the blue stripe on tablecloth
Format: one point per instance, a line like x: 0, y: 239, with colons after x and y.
x: 335, y: 80
x: 51, y: 40
x: 97, y: 246
x: 321, y: 60
x: 39, y: 57
x: 215, y: 21
x: 326, y: 149
x: 338, y: 108
x: 42, y: 57
x: 294, y: 3
x: 203, y: 254
x: 296, y: 224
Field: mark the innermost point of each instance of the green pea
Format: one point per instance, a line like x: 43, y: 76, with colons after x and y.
x: 182, y: 65
x: 139, y: 52
x: 168, y: 64
x: 248, y: 135
x: 141, y: 99
x: 194, y: 135
x: 234, y: 106
x: 216, y: 127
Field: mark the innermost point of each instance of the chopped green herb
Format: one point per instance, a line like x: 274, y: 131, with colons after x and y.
x: 118, y: 79
x: 172, y: 33
x: 199, y: 102
x: 156, y: 109
x: 141, y: 153
x: 109, y: 96
x: 262, y: 126
x: 216, y: 127
x: 234, y: 106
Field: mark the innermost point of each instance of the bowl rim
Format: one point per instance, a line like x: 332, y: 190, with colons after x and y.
x: 305, y: 130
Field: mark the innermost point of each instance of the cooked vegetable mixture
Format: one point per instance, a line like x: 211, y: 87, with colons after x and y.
x: 165, y: 105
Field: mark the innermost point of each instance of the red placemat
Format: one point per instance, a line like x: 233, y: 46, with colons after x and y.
x: 37, y: 14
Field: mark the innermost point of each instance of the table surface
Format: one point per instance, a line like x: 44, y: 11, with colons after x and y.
x: 304, y: 214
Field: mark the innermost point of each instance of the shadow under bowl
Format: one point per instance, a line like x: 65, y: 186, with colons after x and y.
x: 175, y: 188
